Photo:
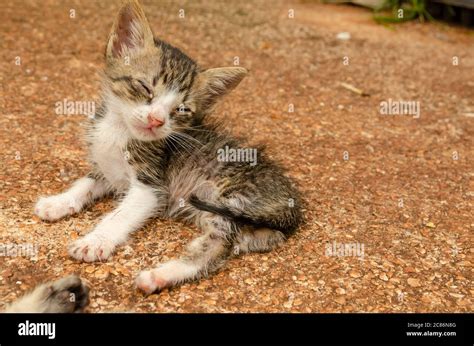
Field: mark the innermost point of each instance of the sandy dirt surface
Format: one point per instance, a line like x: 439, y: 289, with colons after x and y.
x: 400, y: 188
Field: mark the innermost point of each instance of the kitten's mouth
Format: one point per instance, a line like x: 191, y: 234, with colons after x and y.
x: 146, y: 130
x: 150, y: 133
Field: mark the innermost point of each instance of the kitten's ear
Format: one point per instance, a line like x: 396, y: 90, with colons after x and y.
x: 130, y: 31
x: 216, y: 82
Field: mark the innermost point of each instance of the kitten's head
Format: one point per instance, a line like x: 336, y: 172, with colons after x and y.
x: 154, y: 87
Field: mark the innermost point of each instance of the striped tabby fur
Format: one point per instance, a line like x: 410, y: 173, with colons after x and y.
x: 154, y: 142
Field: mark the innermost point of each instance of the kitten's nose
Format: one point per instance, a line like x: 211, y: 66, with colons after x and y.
x: 154, y: 122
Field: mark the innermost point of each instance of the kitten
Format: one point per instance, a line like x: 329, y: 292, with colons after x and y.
x: 69, y: 294
x: 152, y: 141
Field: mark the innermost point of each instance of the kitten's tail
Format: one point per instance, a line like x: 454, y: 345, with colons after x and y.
x: 287, y: 220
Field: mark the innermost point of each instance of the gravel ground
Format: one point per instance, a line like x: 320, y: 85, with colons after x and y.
x: 401, y: 188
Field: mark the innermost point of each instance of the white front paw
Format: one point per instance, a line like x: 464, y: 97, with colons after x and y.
x: 55, y: 207
x: 91, y: 248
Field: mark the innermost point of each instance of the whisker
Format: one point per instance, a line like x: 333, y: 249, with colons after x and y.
x: 185, y: 141
x: 171, y: 142
x: 186, y: 146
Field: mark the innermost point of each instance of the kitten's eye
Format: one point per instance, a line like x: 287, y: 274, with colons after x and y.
x: 143, y: 88
x: 147, y: 88
x: 182, y: 109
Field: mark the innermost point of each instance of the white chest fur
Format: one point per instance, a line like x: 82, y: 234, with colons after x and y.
x: 108, y: 141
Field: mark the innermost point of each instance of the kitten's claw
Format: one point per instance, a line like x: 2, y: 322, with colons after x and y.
x: 55, y: 207
x: 150, y: 281
x: 91, y: 248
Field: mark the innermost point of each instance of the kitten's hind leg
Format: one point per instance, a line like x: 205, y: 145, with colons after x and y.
x: 204, y: 255
x: 82, y: 192
x: 258, y: 240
